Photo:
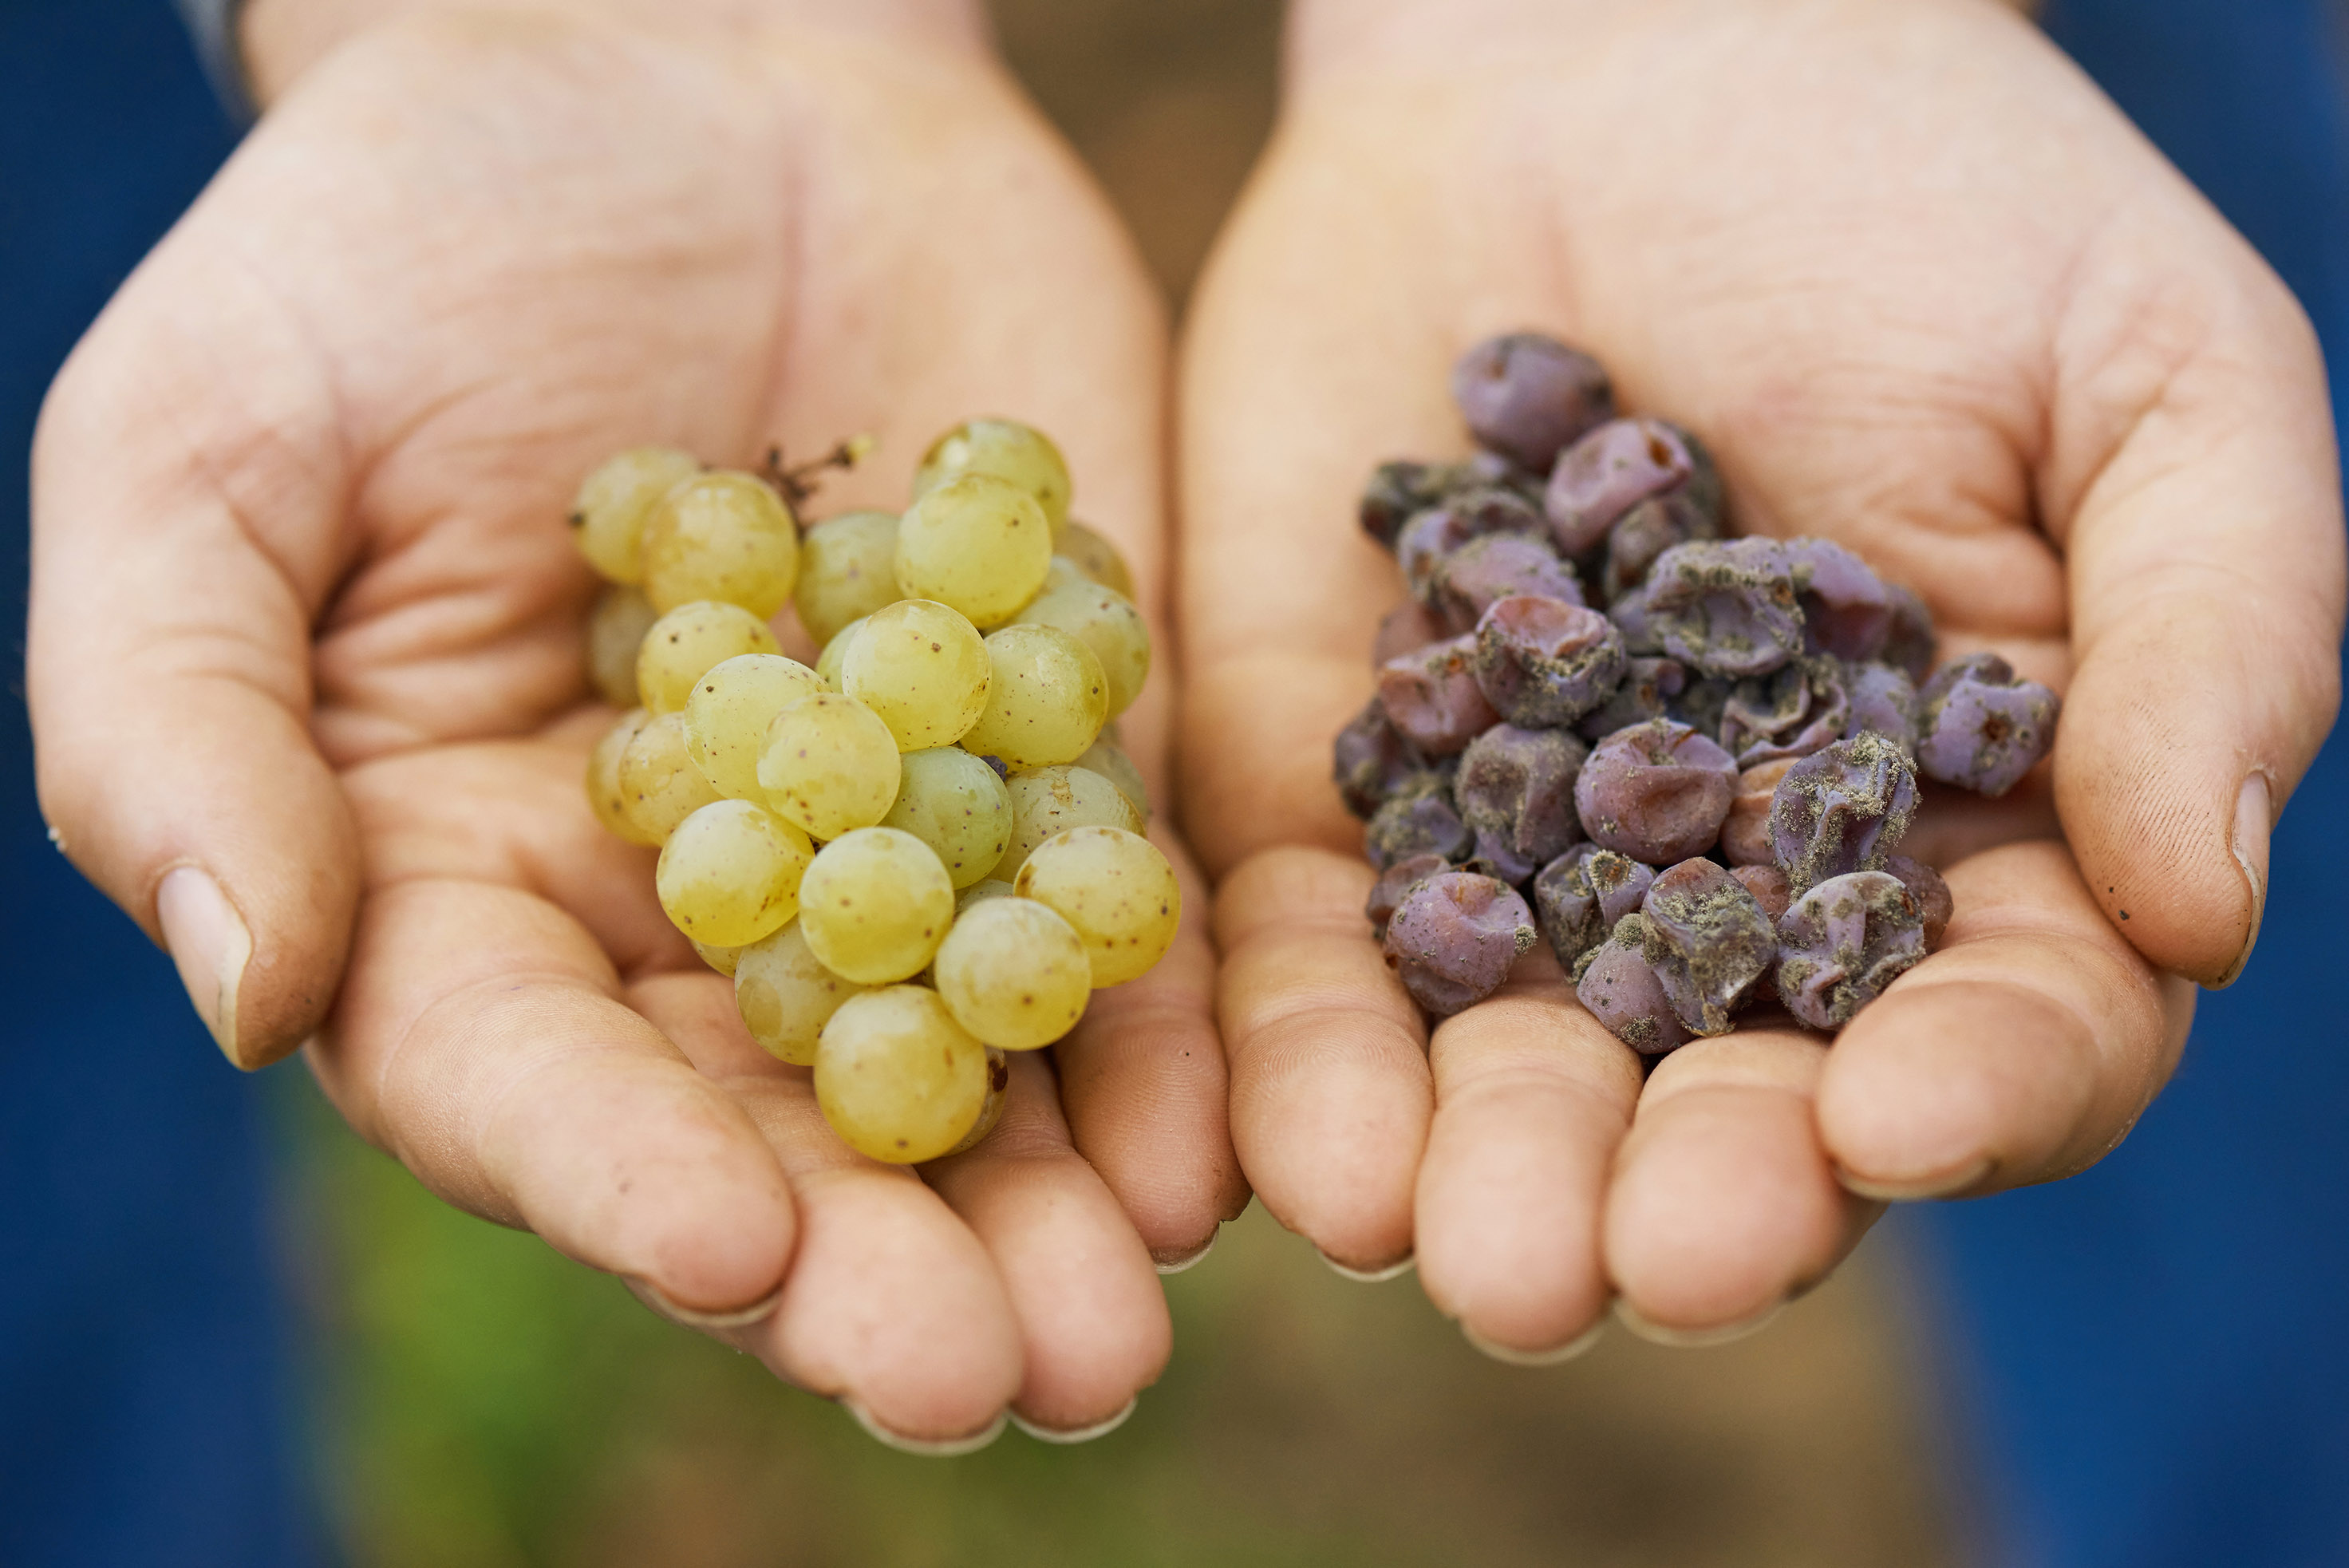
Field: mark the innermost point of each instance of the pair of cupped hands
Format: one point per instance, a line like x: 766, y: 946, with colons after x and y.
x: 306, y: 658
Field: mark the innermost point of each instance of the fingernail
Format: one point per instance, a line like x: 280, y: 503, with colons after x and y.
x: 2254, y: 816
x: 1066, y: 1434
x: 924, y: 1447
x: 1190, y: 1259
x: 1370, y: 1276
x: 1550, y: 1357
x: 1911, y: 1189
x: 759, y: 1311
x: 1695, y: 1338
x: 210, y: 945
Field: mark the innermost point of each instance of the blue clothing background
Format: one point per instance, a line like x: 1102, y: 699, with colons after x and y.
x: 2152, y: 1364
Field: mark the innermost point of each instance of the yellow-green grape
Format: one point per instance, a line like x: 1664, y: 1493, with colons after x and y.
x: 876, y: 905
x: 615, y: 629
x: 722, y: 536
x: 685, y: 643
x: 1116, y: 888
x: 847, y: 570
x: 730, y: 873
x: 785, y: 995
x: 1092, y: 554
x: 955, y: 803
x: 605, y: 793
x: 898, y: 1077
x: 1107, y: 757
x: 1105, y: 621
x: 999, y: 1093
x: 830, y: 765
x: 835, y: 653
x: 979, y: 893
x: 722, y: 960
x: 731, y: 708
x: 608, y: 515
x: 922, y: 668
x: 1046, y: 699
x: 1015, y: 974
x: 1049, y: 801
x: 659, y: 785
x: 1020, y: 454
x: 977, y: 543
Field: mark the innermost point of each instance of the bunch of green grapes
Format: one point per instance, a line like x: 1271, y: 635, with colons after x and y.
x: 926, y: 851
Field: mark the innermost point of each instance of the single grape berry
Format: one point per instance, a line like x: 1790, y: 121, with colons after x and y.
x: 1934, y: 904
x: 1620, y: 989
x: 1883, y: 699
x: 1746, y: 836
x: 1657, y: 791
x: 1800, y: 708
x: 1981, y: 727
x: 1515, y: 791
x: 1433, y: 699
x: 1528, y: 396
x: 1846, y: 608
x: 1432, y: 536
x: 1729, y: 606
x: 1542, y: 662
x: 1453, y: 936
x: 1910, y: 644
x: 1841, y: 810
x: 1647, y: 691
x: 1372, y: 761
x: 1583, y: 894
x: 1497, y: 566
x: 1605, y: 473
x: 1708, y: 941
x: 1417, y: 819
x: 1641, y: 535
x: 1841, y: 943
x: 1396, y: 880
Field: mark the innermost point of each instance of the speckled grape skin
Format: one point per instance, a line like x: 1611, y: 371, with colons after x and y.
x: 1634, y: 626
x: 1497, y: 566
x: 1371, y: 760
x: 1979, y: 728
x: 1395, y: 492
x: 1841, y: 943
x: 1418, y: 819
x: 1657, y: 791
x: 1433, y: 699
x: 1515, y: 793
x: 1841, y: 810
x: 1544, y: 662
x: 1528, y: 397
x: 1645, y: 693
x: 1745, y: 835
x: 1396, y: 880
x: 1883, y: 699
x: 1605, y: 473
x: 1620, y: 989
x: 1453, y: 937
x: 1802, y: 707
x: 1708, y: 941
x: 1641, y: 535
x: 1431, y: 536
x: 1846, y: 608
x: 1727, y: 607
x: 1934, y: 904
x: 1406, y: 629
x: 1582, y: 894
x: 1910, y: 644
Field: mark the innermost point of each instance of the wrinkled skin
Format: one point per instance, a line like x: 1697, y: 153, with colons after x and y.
x: 2110, y: 406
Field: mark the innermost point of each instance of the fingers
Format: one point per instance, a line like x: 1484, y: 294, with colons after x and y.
x: 1331, y: 1093
x: 2022, y: 1051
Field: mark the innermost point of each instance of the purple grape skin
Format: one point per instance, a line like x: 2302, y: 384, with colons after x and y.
x: 1842, y: 942
x: 1884, y: 700
x: 1396, y: 880
x: 1642, y: 535
x: 1433, y: 699
x: 1620, y: 989
x: 1528, y: 396
x: 1498, y: 567
x: 1840, y: 810
x: 1629, y: 611
x: 1804, y: 707
x: 1770, y: 887
x: 1453, y: 936
x: 1656, y: 792
x: 1846, y: 608
x: 1544, y: 662
x: 1417, y: 819
x: 1371, y: 760
x: 1701, y: 702
x: 1395, y: 492
x: 1727, y: 607
x: 1405, y: 629
x: 1745, y: 833
x: 1925, y: 885
x: 1433, y: 535
x: 1515, y: 793
x: 1979, y: 728
x: 1583, y: 894
x: 1605, y: 473
x: 1708, y: 941
x: 1910, y: 643
x: 1649, y: 686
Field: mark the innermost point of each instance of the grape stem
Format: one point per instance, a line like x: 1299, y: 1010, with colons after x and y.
x: 798, y: 483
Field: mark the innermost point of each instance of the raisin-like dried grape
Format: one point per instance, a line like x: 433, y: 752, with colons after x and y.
x: 1515, y: 793
x: 1746, y: 836
x: 1605, y: 473
x: 1883, y: 699
x: 1620, y: 989
x: 1981, y: 727
x: 1728, y: 607
x: 1934, y: 904
x: 1910, y: 644
x: 1418, y: 819
x: 1648, y: 688
x: 1641, y: 535
x: 1842, y: 942
x: 1431, y: 536
x: 1656, y: 792
x: 1453, y: 936
x: 1802, y: 708
x: 1707, y: 940
x: 1544, y: 662
x: 1497, y: 566
x: 1396, y: 880
x: 1528, y: 397
x: 1840, y: 810
x: 1371, y: 760
x: 1582, y: 894
x: 1770, y: 887
x: 1432, y: 696
x: 1846, y: 608
x: 1406, y: 629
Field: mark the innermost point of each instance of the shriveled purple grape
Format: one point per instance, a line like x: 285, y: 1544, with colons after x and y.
x: 1656, y: 792
x: 1371, y: 760
x: 1544, y: 662
x: 1419, y: 818
x: 1499, y: 567
x: 1621, y: 990
x: 1583, y: 893
x: 1846, y: 608
x: 1432, y: 536
x: 1745, y: 834
x: 1841, y: 943
x: 1769, y: 887
x: 1883, y: 699
x: 1703, y: 490
x: 1453, y: 938
x: 1605, y: 473
x: 1981, y: 727
x: 1396, y: 880
x: 1647, y: 687
x: 1431, y: 696
x: 1527, y: 395
x: 1800, y: 708
x: 1910, y: 643
x: 1934, y: 904
x: 1840, y: 810
x: 1406, y: 629
x: 1632, y: 623
x: 1708, y: 941
x: 1396, y: 490
x: 1728, y: 607
x: 1515, y: 793
x: 1642, y: 535
x: 1701, y: 702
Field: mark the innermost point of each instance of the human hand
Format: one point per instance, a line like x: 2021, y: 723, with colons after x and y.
x: 304, y: 649
x: 1921, y: 290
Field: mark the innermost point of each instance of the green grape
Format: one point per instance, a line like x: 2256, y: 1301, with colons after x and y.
x: 990, y: 1112
x: 1116, y: 888
x: 1046, y: 699
x: 608, y: 515
x: 1049, y: 801
x: 1092, y: 554
x: 828, y: 663
x: 847, y: 570
x: 955, y: 803
x: 1014, y: 973
x: 730, y: 873
x: 722, y: 960
x: 979, y: 893
x: 922, y: 668
x: 830, y: 765
x: 683, y: 644
x: 1107, y: 757
x: 876, y: 905
x: 1020, y: 454
x: 721, y: 536
x: 615, y: 629
x: 659, y: 785
x: 1105, y: 621
x: 604, y: 792
x: 898, y: 1077
x: 785, y: 995
x: 977, y: 543
x: 727, y: 716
